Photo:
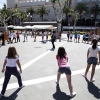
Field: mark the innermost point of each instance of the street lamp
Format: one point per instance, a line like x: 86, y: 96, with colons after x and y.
x: 91, y: 20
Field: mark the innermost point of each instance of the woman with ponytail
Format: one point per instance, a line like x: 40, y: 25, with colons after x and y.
x: 92, y: 58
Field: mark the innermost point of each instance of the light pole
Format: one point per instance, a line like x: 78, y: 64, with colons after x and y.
x: 91, y: 21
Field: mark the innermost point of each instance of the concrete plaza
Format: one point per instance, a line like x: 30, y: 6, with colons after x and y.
x: 40, y: 68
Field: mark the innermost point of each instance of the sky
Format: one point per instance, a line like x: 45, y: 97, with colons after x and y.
x: 2, y: 2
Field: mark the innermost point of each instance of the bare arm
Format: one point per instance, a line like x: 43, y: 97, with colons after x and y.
x: 4, y: 65
x: 87, y: 54
x: 99, y: 56
x: 19, y: 65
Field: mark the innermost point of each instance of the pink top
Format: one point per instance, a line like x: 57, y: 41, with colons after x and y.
x: 63, y: 62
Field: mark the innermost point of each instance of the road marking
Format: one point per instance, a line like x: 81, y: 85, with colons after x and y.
x: 34, y: 60
x: 44, y: 79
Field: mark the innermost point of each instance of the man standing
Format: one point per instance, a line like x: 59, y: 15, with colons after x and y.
x: 53, y: 38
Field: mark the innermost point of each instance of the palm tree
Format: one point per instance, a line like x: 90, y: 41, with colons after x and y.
x: 42, y: 11
x: 23, y: 16
x: 66, y: 11
x: 30, y: 12
x: 16, y: 13
x: 95, y: 10
x: 81, y: 8
x: 74, y: 15
x: 62, y: 6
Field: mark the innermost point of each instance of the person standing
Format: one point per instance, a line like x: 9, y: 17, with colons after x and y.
x: 64, y: 67
x: 14, y: 36
x: 42, y: 36
x: 75, y: 37
x: 78, y: 36
x: 35, y: 35
x: 53, y: 38
x: 9, y: 37
x: 92, y: 59
x: 60, y: 36
x: 68, y: 34
x: 2, y: 38
x: 71, y: 35
x: 47, y: 35
x: 25, y: 36
x: 11, y: 62
x: 18, y: 37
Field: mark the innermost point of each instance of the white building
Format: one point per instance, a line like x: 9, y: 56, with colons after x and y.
x: 23, y: 4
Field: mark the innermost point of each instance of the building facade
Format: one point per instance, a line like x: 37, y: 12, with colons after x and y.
x: 24, y: 4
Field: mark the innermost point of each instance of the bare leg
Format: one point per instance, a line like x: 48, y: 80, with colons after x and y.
x: 69, y: 83
x: 87, y: 69
x: 93, y: 71
x: 58, y: 77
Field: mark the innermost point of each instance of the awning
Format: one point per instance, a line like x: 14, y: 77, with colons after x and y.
x: 43, y: 27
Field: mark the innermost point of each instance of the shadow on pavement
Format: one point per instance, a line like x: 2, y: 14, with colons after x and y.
x: 12, y: 96
x: 94, y: 90
x: 60, y: 95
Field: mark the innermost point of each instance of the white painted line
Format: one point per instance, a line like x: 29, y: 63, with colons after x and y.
x: 33, y: 60
x: 44, y: 79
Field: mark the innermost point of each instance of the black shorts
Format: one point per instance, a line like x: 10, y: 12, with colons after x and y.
x: 65, y: 70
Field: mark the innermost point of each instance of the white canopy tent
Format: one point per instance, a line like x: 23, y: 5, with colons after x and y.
x: 28, y: 27
x: 43, y: 27
x: 11, y: 26
x: 19, y: 27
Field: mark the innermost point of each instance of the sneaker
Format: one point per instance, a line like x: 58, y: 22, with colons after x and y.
x: 21, y: 86
x: 57, y: 82
x: 84, y: 75
x: 73, y: 94
x: 92, y: 80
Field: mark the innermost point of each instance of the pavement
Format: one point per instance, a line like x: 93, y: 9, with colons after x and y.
x: 40, y: 68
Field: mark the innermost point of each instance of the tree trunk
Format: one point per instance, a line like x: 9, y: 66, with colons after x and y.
x: 5, y: 27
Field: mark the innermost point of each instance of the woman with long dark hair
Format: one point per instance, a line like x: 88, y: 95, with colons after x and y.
x: 11, y: 62
x: 92, y: 58
x: 64, y: 67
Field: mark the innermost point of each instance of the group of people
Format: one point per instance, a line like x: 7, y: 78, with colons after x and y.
x: 12, y: 59
x: 87, y: 36
x: 10, y: 37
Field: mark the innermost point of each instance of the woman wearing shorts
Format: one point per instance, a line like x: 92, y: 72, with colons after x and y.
x: 92, y: 59
x: 62, y: 60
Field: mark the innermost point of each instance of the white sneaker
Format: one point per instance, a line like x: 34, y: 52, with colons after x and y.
x: 92, y: 80
x: 84, y: 75
x: 73, y: 94
x: 57, y: 82
x: 22, y: 86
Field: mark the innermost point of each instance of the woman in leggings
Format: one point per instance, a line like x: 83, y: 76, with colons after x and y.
x: 64, y: 67
x: 11, y: 62
x: 92, y: 59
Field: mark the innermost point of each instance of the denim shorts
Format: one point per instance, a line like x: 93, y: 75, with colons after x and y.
x: 92, y: 60
x: 65, y: 70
